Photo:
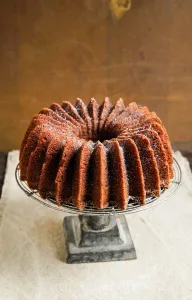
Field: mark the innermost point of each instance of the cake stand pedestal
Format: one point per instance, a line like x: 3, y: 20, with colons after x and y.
x: 100, y: 235
x: 97, y: 238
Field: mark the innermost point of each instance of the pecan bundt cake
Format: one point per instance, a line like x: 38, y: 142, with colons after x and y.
x: 96, y: 155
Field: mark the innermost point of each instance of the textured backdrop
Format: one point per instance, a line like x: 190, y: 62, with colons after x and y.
x: 55, y: 50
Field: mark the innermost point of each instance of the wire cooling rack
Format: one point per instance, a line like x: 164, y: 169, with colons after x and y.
x: 111, y: 210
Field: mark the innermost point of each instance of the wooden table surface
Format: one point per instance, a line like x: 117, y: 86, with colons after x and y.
x: 3, y: 161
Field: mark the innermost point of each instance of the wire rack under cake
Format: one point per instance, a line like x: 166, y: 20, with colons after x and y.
x: 91, y: 210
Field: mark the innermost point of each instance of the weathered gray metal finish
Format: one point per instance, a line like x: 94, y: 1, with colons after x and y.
x: 97, y: 239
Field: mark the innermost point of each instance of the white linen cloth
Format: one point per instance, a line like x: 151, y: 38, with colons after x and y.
x: 32, y: 251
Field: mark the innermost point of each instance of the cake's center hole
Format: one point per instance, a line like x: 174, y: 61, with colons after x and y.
x: 103, y: 135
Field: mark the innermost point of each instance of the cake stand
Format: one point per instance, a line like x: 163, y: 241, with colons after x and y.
x: 100, y: 235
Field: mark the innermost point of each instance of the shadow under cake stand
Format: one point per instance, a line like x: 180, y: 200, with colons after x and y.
x: 100, y: 235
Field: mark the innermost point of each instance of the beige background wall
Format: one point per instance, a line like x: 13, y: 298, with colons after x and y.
x: 56, y: 50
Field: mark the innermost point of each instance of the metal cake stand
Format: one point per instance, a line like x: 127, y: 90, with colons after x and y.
x: 95, y: 235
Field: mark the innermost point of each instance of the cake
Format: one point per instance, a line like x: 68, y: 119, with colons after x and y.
x: 96, y: 155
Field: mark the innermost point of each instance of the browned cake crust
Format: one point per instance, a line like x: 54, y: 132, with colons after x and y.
x: 47, y: 185
x: 31, y: 143
x: 149, y: 165
x: 100, y: 191
x: 105, y: 110
x: 64, y: 115
x: 37, y: 158
x: 83, y: 112
x: 39, y: 119
x: 71, y: 110
x: 118, y: 175
x: 134, y: 170
x: 99, y: 155
x: 160, y: 156
x: 80, y: 178
x: 93, y: 109
x: 64, y: 176
x: 115, y: 112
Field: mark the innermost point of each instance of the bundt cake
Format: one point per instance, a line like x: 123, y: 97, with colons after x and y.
x: 96, y: 155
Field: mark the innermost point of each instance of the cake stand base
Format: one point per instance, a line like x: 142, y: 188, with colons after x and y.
x: 97, y: 239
